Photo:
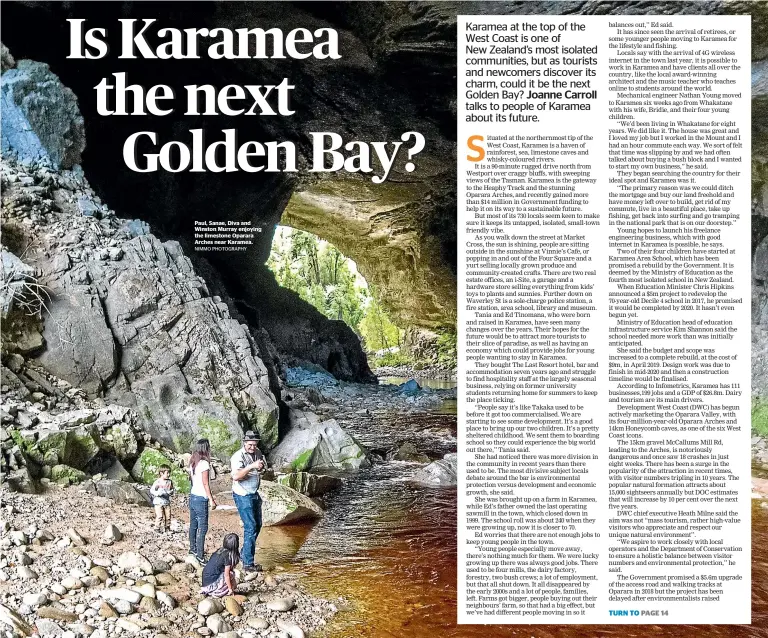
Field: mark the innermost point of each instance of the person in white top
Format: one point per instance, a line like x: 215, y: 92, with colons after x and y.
x: 200, y: 497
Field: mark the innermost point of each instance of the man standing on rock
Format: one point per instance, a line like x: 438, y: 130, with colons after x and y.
x: 247, y: 464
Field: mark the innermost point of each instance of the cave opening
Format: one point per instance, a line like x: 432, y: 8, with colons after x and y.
x: 329, y: 281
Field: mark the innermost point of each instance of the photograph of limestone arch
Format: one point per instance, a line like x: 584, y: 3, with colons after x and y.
x: 332, y: 338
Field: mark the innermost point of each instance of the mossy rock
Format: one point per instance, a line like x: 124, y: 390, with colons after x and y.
x: 283, y: 505
x: 302, y: 461
x: 66, y: 475
x: 310, y: 484
x: 223, y: 442
x: 265, y: 423
x: 83, y: 445
x: 50, y: 448
x: 146, y: 467
x: 124, y: 441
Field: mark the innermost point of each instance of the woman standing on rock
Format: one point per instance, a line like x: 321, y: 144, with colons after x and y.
x: 199, y: 498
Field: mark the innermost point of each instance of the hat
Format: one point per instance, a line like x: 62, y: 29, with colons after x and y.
x: 250, y: 435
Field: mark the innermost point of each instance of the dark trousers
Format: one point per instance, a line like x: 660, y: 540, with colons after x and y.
x: 198, y: 525
x: 249, y: 508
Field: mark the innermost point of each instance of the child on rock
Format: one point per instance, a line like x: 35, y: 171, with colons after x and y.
x: 162, y: 490
x: 218, y: 573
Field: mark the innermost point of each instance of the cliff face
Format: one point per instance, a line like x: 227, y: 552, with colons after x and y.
x: 102, y: 304
x: 125, y: 316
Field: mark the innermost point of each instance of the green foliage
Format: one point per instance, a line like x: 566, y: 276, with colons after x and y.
x: 760, y: 416
x: 223, y: 444
x: 377, y: 330
x: 446, y: 351
x: 320, y: 275
x: 391, y: 359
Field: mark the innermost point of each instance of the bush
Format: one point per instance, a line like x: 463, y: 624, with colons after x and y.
x: 391, y: 360
x: 760, y: 416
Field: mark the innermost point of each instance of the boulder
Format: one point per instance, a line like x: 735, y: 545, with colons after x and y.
x: 65, y: 475
x: 410, y: 387
x: 146, y: 467
x: 440, y: 473
x: 310, y: 484
x: 124, y: 441
x: 82, y: 446
x: 50, y: 448
x: 21, y: 481
x: 313, y: 445
x: 41, y: 120
x: 282, y: 505
x: 121, y: 492
x: 116, y: 472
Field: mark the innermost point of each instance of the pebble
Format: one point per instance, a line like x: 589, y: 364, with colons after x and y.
x: 145, y: 589
x: 165, y: 579
x: 76, y: 537
x: 100, y: 573
x: 25, y: 573
x: 54, y: 613
x: 18, y: 538
x: 48, y: 628
x: 270, y: 581
x: 107, y: 611
x: 58, y: 589
x: 127, y: 625
x: 112, y: 533
x: 71, y: 583
x: 165, y: 599
x: 34, y: 600
x: 130, y: 561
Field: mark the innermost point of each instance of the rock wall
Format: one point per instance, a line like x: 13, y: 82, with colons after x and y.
x: 118, y: 312
x: 128, y: 319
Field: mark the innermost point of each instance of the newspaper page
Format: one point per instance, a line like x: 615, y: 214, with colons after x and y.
x: 604, y: 303
x: 383, y: 319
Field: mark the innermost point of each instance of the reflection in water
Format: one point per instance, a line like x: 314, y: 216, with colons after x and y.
x: 389, y: 547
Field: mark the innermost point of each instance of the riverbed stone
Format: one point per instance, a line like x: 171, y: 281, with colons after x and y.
x: 54, y: 613
x: 131, y: 561
x: 210, y: 606
x: 281, y: 604
x: 34, y: 599
x: 232, y: 606
x: 310, y: 484
x: 217, y: 624
x: 290, y: 628
x: 310, y: 444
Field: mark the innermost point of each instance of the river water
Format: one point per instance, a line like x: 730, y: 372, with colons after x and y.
x: 389, y: 548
